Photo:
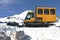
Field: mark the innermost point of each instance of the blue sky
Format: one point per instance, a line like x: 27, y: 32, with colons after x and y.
x: 11, y: 7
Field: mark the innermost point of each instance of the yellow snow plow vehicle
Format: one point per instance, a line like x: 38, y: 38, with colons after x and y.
x: 42, y: 16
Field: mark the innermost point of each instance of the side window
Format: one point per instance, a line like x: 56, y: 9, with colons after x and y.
x: 52, y: 11
x: 46, y: 11
x: 40, y: 11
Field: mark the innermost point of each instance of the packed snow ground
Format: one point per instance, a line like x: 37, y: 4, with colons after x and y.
x: 49, y: 33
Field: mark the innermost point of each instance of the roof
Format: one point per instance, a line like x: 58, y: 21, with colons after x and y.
x: 45, y: 7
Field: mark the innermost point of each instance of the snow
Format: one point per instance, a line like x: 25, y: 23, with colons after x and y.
x: 43, y: 33
x: 49, y: 33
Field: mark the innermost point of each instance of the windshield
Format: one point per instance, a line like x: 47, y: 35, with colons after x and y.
x: 29, y: 16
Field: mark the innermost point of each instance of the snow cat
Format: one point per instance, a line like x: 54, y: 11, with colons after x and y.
x: 42, y: 17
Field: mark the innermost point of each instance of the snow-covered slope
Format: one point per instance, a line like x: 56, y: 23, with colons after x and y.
x: 23, y: 14
x: 17, y: 18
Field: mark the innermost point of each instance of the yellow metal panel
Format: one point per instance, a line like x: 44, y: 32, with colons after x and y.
x: 31, y: 20
x: 46, y: 17
x: 49, y: 18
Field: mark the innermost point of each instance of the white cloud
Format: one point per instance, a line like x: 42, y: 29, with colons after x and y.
x: 5, y: 2
x: 8, y: 4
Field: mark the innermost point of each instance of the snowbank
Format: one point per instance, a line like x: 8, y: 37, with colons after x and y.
x: 49, y: 33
